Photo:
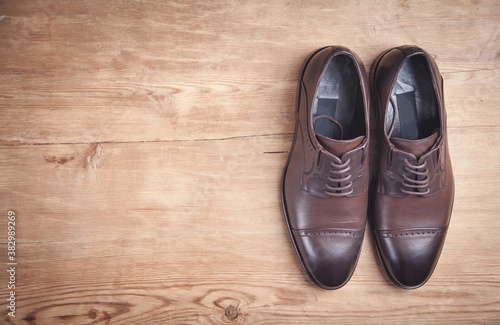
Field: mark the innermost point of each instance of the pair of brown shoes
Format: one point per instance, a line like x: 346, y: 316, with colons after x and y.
x: 325, y: 183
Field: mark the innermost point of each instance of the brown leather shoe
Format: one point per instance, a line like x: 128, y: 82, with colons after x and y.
x: 412, y: 194
x: 325, y: 183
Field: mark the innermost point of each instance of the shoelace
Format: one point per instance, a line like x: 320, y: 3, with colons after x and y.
x: 395, y: 116
x: 331, y: 119
x: 419, y: 184
x: 334, y: 181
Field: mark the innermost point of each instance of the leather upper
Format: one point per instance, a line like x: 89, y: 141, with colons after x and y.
x: 327, y: 224
x: 410, y: 229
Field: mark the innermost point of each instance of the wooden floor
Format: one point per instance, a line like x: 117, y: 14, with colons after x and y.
x: 142, y: 145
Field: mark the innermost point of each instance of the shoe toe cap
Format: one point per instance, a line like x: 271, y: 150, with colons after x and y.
x: 410, y: 256
x: 329, y: 256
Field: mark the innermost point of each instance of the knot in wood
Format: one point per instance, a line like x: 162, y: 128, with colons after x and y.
x: 231, y: 312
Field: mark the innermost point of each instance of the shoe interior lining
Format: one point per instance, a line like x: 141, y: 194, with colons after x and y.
x: 417, y: 111
x: 339, y: 96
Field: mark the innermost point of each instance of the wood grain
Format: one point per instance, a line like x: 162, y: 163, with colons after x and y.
x: 142, y: 145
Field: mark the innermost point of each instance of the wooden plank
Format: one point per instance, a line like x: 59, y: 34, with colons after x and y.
x: 75, y: 72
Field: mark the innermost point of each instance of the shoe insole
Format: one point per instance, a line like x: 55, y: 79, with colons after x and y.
x: 339, y: 97
x: 408, y: 117
x: 417, y: 115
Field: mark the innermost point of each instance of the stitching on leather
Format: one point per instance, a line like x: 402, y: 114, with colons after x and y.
x: 414, y: 233
x: 305, y: 233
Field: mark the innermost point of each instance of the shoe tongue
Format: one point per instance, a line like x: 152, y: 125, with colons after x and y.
x: 339, y: 147
x: 415, y: 147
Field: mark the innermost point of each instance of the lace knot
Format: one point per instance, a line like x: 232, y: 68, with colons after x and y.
x: 339, y: 175
x: 418, y: 181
